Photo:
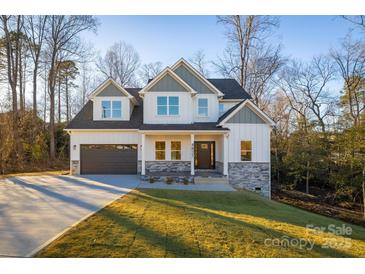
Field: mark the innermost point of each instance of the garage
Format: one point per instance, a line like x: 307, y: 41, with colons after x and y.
x: 108, y: 159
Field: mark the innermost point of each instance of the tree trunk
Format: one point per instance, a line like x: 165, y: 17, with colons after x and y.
x: 35, y: 72
x: 67, y: 102
x: 52, y: 76
x: 307, y: 179
x: 20, y: 70
x: 59, y: 101
x: 363, y: 190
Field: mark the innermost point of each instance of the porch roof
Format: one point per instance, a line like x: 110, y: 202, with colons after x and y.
x: 183, y: 127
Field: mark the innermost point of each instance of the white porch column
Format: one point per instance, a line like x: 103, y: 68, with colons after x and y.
x: 143, y: 157
x: 225, y: 154
x: 192, y: 163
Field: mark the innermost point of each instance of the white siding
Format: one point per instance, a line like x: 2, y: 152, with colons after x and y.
x: 259, y: 134
x: 150, y: 108
x: 185, y: 146
x: 97, y: 110
x: 188, y: 111
x: 213, y: 110
x: 101, y: 137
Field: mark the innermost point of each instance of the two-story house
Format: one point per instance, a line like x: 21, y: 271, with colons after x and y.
x: 179, y: 123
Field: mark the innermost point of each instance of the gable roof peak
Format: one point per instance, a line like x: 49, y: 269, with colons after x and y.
x: 195, y: 72
x: 107, y: 82
x: 167, y: 71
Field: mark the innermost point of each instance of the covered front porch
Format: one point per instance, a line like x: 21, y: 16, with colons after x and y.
x: 184, y: 153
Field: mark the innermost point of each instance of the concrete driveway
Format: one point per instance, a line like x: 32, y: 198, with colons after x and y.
x: 36, y: 209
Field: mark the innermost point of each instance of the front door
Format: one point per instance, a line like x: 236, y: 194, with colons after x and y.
x: 204, y: 155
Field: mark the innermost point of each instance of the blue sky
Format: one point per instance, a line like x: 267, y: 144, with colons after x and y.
x: 168, y: 38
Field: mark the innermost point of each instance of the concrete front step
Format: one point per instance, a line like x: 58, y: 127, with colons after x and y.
x: 210, y: 180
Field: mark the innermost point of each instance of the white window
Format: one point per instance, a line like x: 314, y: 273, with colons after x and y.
x: 167, y: 105
x: 176, y: 150
x: 160, y: 150
x: 111, y: 109
x: 203, y: 107
x: 246, y: 150
x: 221, y: 109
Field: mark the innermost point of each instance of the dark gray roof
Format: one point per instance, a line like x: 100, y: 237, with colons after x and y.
x: 194, y: 126
x: 84, y: 119
x: 228, y: 112
x: 230, y: 88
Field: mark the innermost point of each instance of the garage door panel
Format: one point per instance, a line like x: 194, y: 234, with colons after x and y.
x: 109, y: 159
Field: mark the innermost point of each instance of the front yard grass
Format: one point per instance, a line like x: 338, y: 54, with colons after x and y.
x: 171, y: 223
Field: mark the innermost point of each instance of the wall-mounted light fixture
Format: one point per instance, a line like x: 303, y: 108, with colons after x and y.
x: 74, y: 147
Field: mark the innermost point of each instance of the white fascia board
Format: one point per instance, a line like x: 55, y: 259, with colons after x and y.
x: 108, y: 81
x: 100, y: 130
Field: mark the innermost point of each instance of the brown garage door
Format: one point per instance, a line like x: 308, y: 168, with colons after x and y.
x: 108, y: 159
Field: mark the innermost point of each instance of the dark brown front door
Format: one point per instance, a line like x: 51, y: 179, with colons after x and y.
x: 108, y: 159
x: 204, y: 155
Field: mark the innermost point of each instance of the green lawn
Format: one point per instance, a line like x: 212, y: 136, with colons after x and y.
x: 167, y: 223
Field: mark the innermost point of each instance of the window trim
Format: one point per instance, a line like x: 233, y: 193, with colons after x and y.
x: 111, y: 110
x: 207, y: 107
x: 175, y: 150
x: 168, y: 105
x: 245, y: 150
x: 157, y: 150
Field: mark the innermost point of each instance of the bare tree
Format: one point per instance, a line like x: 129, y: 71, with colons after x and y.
x: 149, y: 71
x: 350, y: 60
x: 63, y: 42
x: 307, y: 84
x: 249, y: 58
x: 120, y: 63
x: 357, y: 20
x: 198, y: 60
x: 35, y: 32
x: 11, y: 26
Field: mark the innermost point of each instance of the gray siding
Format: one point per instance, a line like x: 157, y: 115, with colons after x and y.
x: 246, y: 116
x: 167, y: 83
x: 191, y: 80
x: 110, y: 90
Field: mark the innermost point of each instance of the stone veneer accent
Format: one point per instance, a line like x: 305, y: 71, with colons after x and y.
x: 250, y: 176
x: 167, y: 166
x: 139, y: 167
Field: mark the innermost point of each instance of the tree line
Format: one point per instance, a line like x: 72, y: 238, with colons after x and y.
x: 318, y: 105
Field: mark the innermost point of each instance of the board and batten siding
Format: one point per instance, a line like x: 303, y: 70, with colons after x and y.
x: 192, y: 80
x: 167, y: 84
x: 213, y: 108
x: 185, y: 145
x: 97, y: 109
x: 110, y: 90
x: 259, y: 134
x: 101, y: 137
x: 188, y: 108
x: 246, y: 115
x: 150, y: 108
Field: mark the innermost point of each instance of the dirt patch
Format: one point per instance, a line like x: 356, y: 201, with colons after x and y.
x: 314, y: 204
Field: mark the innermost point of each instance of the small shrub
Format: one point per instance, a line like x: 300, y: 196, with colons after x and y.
x: 169, y: 180
x: 185, y: 181
x: 151, y: 180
